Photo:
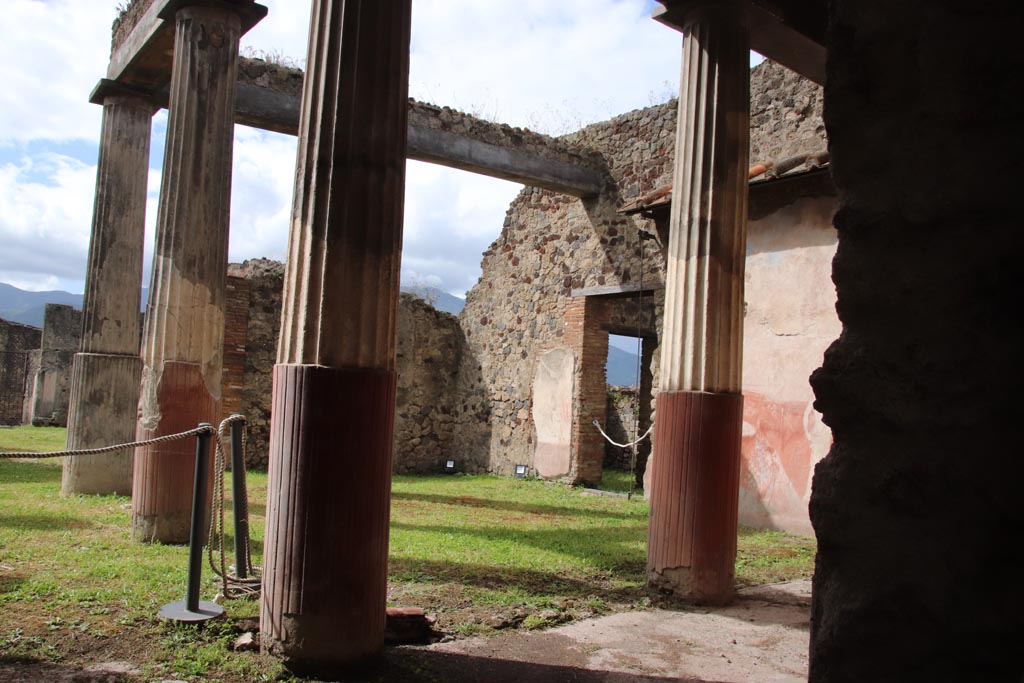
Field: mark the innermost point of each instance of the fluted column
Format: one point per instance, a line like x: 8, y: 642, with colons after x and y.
x: 105, y: 373
x: 183, y: 338
x: 695, y: 478
x: 325, y: 556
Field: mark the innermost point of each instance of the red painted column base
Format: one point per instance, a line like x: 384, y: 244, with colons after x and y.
x: 328, y: 507
x: 163, y: 483
x: 691, y: 542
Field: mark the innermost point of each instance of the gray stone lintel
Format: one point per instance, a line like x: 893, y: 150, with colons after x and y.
x: 790, y: 32
x: 269, y: 109
x: 143, y: 59
x: 618, y: 291
x: 467, y: 154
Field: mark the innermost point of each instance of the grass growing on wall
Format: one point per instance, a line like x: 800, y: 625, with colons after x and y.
x: 486, y: 554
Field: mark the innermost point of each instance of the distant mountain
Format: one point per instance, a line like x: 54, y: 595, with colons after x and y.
x: 442, y: 301
x: 20, y: 306
x: 621, y: 367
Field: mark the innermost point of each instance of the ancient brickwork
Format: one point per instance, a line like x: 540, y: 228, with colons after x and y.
x: 551, y: 244
x: 236, y: 324
x: 441, y: 413
x: 785, y: 114
x: 620, y: 411
x: 17, y: 341
x: 263, y: 321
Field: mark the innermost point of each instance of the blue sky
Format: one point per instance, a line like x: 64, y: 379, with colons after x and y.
x: 550, y: 66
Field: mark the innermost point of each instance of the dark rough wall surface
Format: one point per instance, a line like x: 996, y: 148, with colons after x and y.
x: 917, y: 508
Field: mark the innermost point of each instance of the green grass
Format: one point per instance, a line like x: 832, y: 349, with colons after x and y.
x: 32, y: 439
x: 484, y: 553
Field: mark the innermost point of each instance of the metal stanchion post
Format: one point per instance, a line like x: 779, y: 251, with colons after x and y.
x: 239, y: 494
x: 191, y: 609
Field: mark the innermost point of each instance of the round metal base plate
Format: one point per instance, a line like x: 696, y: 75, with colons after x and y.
x: 179, y: 611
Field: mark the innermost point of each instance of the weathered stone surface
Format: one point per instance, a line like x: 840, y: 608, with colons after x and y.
x: 104, y: 416
x: 105, y: 376
x: 325, y: 558
x: 917, y: 505
x: 17, y: 342
x: 552, y: 244
x: 184, y: 337
x: 62, y: 330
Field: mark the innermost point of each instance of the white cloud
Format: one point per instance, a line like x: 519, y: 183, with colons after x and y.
x: 53, y: 54
x: 45, y: 209
x: 550, y: 65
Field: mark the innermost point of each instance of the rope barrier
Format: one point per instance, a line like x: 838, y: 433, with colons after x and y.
x: 232, y: 585
x: 622, y: 445
x: 109, y: 449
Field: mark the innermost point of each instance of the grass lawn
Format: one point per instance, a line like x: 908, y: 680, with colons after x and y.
x: 484, y: 553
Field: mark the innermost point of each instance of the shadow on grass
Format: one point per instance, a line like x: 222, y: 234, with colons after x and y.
x: 25, y: 472
x: 43, y: 522
x: 611, y: 544
x: 509, y: 506
x: 502, y: 579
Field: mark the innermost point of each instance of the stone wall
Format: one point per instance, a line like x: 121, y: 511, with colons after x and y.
x: 265, y: 279
x: 62, y: 333
x: 17, y: 341
x: 917, y: 507
x: 551, y: 245
x: 441, y: 413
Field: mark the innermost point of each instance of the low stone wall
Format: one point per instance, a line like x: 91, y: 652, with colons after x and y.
x: 17, y: 341
x: 62, y: 334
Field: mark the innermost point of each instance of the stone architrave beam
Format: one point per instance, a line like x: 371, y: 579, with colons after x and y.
x: 789, y: 32
x: 694, y: 475
x: 466, y: 154
x: 555, y: 166
x: 143, y: 59
x: 322, y: 608
x: 105, y: 373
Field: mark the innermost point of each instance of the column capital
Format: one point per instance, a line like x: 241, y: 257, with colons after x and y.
x: 249, y: 12
x: 107, y: 88
x: 679, y: 14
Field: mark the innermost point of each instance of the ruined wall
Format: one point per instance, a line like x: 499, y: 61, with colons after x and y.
x: 917, y: 506
x: 551, y: 244
x: 62, y: 334
x: 790, y: 321
x: 16, y: 343
x: 265, y: 280
x: 440, y: 411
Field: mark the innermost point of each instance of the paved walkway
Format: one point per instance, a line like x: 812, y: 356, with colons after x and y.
x: 762, y: 637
